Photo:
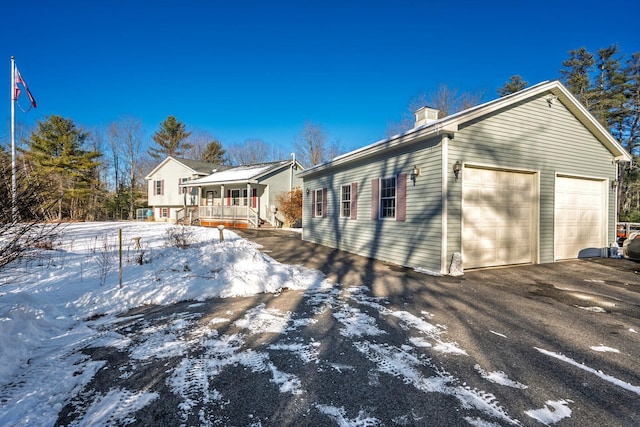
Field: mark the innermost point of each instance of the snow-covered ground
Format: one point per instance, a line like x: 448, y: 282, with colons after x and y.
x: 60, y: 303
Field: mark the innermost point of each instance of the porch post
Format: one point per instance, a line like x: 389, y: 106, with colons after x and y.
x: 248, y: 201
x: 221, y: 194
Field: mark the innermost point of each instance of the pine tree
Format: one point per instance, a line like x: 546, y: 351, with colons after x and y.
x: 576, y: 74
x: 214, y: 153
x: 608, y: 101
x: 56, y: 157
x: 170, y: 139
x: 632, y: 105
x: 514, y: 84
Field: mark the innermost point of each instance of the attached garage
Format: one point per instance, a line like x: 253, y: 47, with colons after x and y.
x: 499, y: 220
x: 580, y: 220
x: 523, y: 179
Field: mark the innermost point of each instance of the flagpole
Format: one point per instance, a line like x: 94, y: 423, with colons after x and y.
x: 14, y: 186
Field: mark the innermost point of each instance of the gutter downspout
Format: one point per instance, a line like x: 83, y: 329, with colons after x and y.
x: 293, y: 164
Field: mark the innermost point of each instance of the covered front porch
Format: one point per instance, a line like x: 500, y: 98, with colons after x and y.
x: 237, y: 206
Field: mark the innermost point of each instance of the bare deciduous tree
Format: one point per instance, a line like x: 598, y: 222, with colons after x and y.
x: 250, y: 152
x: 446, y: 99
x: 311, y: 144
x: 125, y: 137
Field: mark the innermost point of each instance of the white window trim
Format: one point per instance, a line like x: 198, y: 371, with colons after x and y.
x: 318, y: 203
x: 395, y: 198
x: 343, y: 201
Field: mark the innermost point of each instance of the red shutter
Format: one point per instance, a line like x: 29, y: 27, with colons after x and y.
x: 401, y: 197
x: 313, y: 204
x: 228, y: 197
x: 168, y: 212
x: 162, y: 187
x: 354, y: 200
x: 324, y: 203
x: 254, y: 197
x: 375, y: 199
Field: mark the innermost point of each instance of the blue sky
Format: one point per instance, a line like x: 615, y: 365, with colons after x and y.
x: 258, y: 70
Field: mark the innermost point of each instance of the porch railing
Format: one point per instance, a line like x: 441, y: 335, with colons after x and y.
x: 179, y: 214
x: 252, y: 217
x: 223, y: 212
x: 230, y: 213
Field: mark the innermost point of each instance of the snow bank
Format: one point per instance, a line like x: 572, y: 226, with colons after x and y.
x: 78, y: 280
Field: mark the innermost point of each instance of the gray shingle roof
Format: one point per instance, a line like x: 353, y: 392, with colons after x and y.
x: 204, y: 168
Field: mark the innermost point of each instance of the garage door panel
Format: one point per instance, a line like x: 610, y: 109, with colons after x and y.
x: 579, y: 216
x: 498, y: 214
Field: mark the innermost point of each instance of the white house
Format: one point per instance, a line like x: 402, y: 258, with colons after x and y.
x: 244, y: 196
x: 168, y: 199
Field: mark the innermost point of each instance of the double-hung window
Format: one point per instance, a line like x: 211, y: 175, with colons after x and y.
x: 158, y: 187
x: 388, y: 197
x: 318, y: 205
x: 345, y: 201
x: 184, y: 181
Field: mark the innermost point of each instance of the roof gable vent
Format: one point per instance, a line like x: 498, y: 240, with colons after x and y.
x: 426, y: 115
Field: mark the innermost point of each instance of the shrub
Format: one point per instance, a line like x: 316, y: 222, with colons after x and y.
x: 290, y: 205
x: 180, y: 236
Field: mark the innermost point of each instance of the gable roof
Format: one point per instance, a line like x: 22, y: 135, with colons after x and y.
x: 244, y: 173
x: 195, y: 166
x: 451, y: 123
x: 204, y: 168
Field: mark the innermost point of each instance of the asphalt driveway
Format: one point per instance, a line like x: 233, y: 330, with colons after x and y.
x: 503, y: 316
x: 553, y: 344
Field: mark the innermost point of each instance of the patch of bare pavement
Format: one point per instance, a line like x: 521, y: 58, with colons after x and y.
x: 553, y: 344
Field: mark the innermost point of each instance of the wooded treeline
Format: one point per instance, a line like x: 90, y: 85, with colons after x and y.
x: 98, y: 174
x: 608, y: 84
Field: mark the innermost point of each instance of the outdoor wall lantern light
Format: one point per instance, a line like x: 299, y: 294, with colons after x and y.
x: 308, y: 191
x: 415, y: 172
x: 457, y: 167
x: 614, y: 184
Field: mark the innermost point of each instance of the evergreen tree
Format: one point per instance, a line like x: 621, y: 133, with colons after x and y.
x: 609, y: 96
x: 514, y: 84
x: 611, y: 93
x: 576, y: 74
x: 56, y: 156
x: 631, y: 121
x: 214, y: 153
x: 170, y: 139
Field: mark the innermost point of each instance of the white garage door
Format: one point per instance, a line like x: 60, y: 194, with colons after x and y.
x: 498, y: 217
x: 579, y: 217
